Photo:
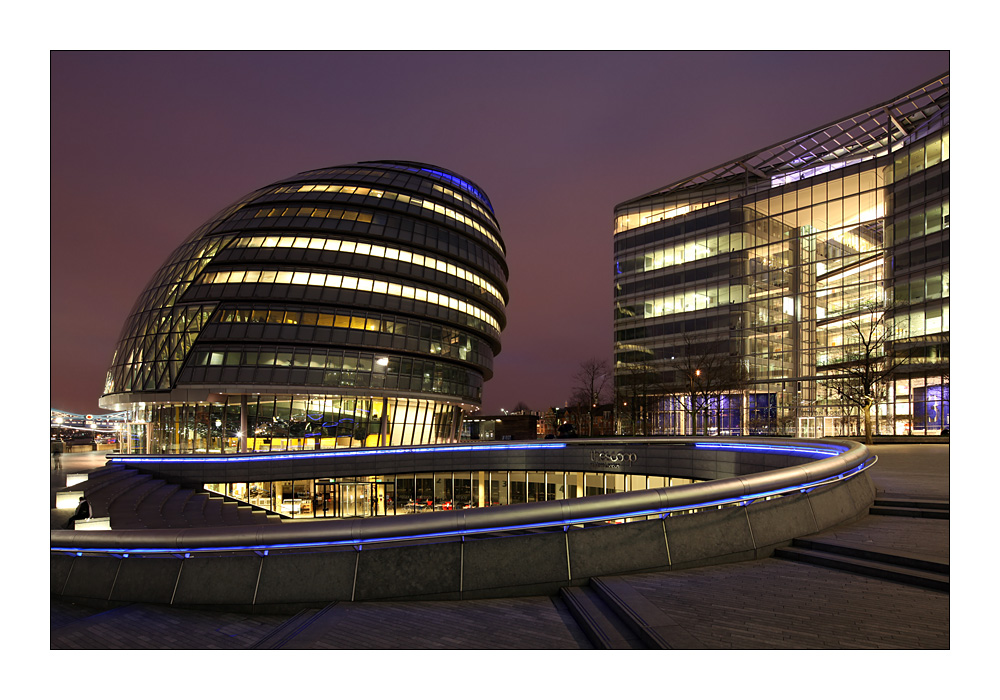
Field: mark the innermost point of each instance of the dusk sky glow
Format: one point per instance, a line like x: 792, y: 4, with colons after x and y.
x: 145, y: 146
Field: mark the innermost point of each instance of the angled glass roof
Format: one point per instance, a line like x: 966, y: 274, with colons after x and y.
x: 852, y: 138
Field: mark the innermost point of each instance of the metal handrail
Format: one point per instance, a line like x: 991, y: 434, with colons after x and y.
x: 661, y: 502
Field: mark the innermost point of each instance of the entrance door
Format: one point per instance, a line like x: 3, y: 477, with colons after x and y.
x: 382, y: 499
x: 324, y: 500
x: 355, y: 500
x: 807, y: 427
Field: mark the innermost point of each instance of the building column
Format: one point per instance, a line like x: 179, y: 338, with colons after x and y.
x: 383, y: 423
x: 243, y: 423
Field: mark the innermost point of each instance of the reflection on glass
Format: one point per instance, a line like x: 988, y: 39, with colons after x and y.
x: 498, y: 491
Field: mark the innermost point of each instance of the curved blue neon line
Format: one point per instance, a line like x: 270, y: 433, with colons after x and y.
x: 747, y: 447
x: 453, y: 533
x: 468, y: 187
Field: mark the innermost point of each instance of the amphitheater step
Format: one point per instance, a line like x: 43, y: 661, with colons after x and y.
x: 928, y: 572
x: 911, y: 508
x: 598, y: 621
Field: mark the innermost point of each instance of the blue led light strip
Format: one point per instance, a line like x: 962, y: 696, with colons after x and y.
x: 736, y: 500
x: 830, y: 451
x: 461, y: 183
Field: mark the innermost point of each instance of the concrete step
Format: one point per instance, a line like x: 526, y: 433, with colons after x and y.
x: 151, y: 508
x: 212, y: 513
x: 173, y: 508
x: 902, y: 511
x: 230, y: 514
x: 127, y: 502
x: 913, y: 503
x: 598, y: 621
x: 654, y: 627
x: 866, y: 567
x: 937, y: 565
x: 102, y: 499
x: 194, y: 510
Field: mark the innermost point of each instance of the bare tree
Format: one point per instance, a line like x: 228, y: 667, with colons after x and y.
x: 868, y: 362
x: 637, y: 388
x: 592, y: 381
x: 703, y: 375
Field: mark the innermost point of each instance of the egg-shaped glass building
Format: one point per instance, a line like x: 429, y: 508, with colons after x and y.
x: 358, y: 305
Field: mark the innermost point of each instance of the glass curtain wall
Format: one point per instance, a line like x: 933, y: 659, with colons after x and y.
x: 289, y: 423
x: 787, y: 278
x: 401, y: 494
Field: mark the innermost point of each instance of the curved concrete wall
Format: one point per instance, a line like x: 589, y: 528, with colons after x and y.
x: 677, y: 457
x: 464, y: 566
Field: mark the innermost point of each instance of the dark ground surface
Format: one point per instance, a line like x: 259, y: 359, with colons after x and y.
x: 764, y: 604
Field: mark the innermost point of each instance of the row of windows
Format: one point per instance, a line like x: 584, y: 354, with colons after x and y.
x: 914, y: 291
x: 293, y: 192
x: 434, y: 172
x: 291, y: 295
x: 346, y: 329
x: 919, y: 224
x: 927, y: 252
x: 933, y: 150
x: 654, y: 214
x: 403, y: 181
x: 835, y: 201
x: 680, y: 253
x: 361, y: 284
x: 686, y: 226
x: 914, y: 191
x: 322, y: 359
x: 400, y: 494
x: 691, y: 325
x: 375, y: 251
x: 281, y: 422
x: 378, y: 194
x: 697, y: 274
x: 383, y: 226
x: 468, y: 386
x: 687, y: 300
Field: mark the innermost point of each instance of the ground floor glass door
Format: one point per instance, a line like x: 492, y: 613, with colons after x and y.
x: 353, y: 499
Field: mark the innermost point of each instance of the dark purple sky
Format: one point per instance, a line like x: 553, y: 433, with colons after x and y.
x: 146, y: 146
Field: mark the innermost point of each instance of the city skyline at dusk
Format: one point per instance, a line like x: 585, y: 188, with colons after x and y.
x: 146, y: 146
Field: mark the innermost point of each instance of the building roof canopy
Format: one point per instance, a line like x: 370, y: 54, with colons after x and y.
x: 857, y: 137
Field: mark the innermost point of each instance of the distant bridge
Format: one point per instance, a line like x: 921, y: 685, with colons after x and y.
x: 101, y: 423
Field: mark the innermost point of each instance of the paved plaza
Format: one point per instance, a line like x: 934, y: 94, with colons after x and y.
x: 765, y: 604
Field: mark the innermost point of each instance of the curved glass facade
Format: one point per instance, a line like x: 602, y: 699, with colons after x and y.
x: 346, y: 306
x: 403, y: 494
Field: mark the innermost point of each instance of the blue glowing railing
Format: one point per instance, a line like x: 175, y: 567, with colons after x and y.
x: 837, y: 461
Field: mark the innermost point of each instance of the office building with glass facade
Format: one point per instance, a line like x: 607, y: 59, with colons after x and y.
x: 352, y: 306
x: 751, y: 297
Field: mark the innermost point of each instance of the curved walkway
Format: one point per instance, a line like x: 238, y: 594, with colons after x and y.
x: 766, y: 604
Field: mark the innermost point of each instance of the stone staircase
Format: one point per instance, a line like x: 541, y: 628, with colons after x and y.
x: 614, y: 615
x: 133, y: 500
x: 922, y: 570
